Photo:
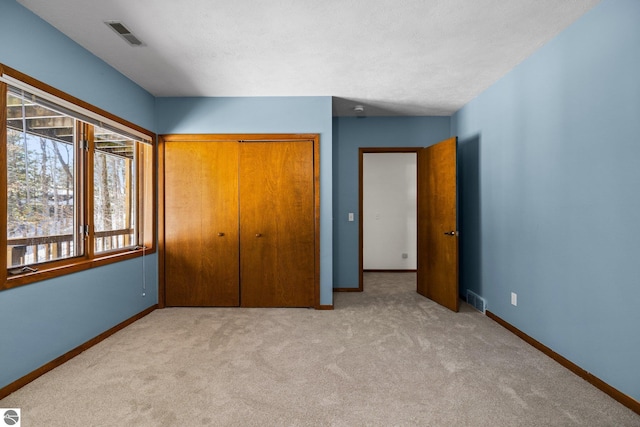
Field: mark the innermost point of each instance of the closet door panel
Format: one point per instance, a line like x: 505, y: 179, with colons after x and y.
x: 277, y: 229
x: 201, y: 223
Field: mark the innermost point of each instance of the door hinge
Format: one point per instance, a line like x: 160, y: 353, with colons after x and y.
x: 85, y: 145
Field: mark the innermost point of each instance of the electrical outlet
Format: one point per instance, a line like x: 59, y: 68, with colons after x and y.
x: 350, y: 216
x: 514, y: 298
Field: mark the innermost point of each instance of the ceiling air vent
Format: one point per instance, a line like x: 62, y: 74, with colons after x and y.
x: 124, y: 32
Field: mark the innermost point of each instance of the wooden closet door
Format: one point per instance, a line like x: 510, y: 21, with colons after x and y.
x: 277, y: 226
x: 201, y: 223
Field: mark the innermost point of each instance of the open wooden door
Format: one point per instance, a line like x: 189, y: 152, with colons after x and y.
x: 437, y: 223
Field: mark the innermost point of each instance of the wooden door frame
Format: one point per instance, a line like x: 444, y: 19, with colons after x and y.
x: 314, y: 137
x: 361, y: 152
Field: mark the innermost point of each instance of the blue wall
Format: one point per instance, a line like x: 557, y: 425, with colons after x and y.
x: 265, y: 115
x: 349, y: 135
x: 33, y: 47
x: 550, y: 193
x: 44, y: 320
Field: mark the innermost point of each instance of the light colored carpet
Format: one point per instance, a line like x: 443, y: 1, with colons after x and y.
x: 385, y: 357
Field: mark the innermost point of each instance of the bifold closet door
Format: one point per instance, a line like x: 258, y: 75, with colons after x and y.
x: 201, y: 223
x: 277, y: 227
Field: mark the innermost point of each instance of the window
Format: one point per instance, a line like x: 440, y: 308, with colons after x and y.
x: 42, y: 214
x: 114, y: 189
x: 79, y: 185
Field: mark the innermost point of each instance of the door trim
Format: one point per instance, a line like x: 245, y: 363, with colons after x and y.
x: 361, y: 152
x: 314, y: 137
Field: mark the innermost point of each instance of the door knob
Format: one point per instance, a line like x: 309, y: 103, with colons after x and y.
x: 220, y: 234
x: 451, y: 233
x: 258, y: 235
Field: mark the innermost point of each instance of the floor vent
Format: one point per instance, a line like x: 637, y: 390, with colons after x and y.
x: 476, y: 301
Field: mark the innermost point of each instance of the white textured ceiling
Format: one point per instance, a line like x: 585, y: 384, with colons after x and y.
x: 395, y: 57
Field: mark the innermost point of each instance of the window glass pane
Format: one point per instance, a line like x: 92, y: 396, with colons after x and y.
x: 114, y: 183
x: 41, y: 176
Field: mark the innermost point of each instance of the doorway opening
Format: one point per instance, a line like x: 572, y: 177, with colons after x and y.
x: 388, y: 210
